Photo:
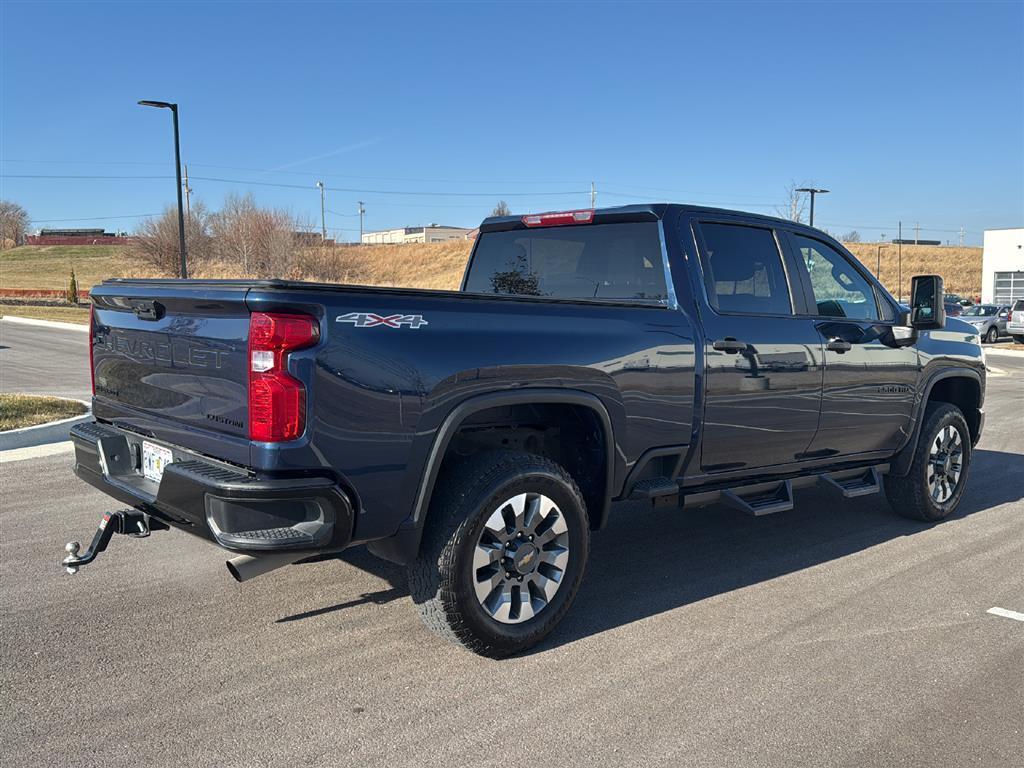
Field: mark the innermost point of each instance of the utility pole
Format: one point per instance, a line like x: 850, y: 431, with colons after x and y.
x: 323, y: 219
x: 917, y: 232
x: 813, y: 191
x: 899, y: 258
x: 362, y: 211
x: 188, y: 193
x: 593, y: 195
x: 961, y: 235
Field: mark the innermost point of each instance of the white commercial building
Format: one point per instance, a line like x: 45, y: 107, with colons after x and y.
x: 435, y: 233
x: 1002, y: 266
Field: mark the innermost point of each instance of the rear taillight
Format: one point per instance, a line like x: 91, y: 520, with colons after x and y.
x: 558, y: 219
x: 277, y: 400
x: 92, y: 361
x: 1009, y: 316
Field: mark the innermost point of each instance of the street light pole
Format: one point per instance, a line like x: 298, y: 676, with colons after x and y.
x: 878, y: 261
x: 323, y: 219
x: 813, y: 191
x: 362, y: 211
x: 177, y: 170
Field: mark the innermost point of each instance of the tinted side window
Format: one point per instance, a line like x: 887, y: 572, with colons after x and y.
x: 743, y: 270
x: 839, y: 289
x: 598, y: 261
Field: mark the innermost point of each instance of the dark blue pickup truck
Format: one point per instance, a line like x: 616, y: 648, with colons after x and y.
x: 667, y: 353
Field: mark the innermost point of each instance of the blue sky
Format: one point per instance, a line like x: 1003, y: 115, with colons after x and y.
x: 432, y: 112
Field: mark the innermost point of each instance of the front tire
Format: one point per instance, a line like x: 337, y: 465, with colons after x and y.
x: 992, y: 335
x: 935, y: 484
x: 503, y: 554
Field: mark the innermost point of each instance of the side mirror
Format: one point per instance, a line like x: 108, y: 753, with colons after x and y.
x: 927, y: 312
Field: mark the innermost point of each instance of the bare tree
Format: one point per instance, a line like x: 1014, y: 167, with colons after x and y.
x: 259, y: 241
x: 853, y: 236
x: 156, y: 241
x: 795, y: 205
x: 501, y: 209
x: 13, y: 223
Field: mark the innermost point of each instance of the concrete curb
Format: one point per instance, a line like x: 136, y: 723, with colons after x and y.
x: 36, y: 452
x: 41, y: 434
x: 46, y: 323
x: 1004, y: 352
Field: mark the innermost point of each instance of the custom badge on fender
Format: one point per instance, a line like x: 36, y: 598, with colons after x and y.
x: 370, y: 320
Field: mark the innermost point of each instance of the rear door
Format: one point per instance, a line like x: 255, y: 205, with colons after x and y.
x: 763, y: 361
x: 870, y: 384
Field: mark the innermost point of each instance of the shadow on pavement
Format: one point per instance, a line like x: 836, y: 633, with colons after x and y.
x: 649, y: 561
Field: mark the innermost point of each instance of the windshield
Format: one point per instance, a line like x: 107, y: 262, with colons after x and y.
x: 981, y: 310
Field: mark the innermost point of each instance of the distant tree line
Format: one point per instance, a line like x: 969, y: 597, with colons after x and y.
x: 13, y: 224
x: 241, y: 238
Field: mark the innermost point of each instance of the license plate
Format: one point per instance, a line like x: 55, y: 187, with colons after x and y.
x: 154, y: 459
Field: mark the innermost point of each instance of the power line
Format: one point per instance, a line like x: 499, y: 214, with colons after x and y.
x: 98, y: 218
x: 647, y: 198
x: 306, y: 174
x: 74, y: 176
x: 280, y: 185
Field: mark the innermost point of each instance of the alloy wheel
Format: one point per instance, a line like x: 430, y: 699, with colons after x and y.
x: 520, y: 558
x: 945, y: 463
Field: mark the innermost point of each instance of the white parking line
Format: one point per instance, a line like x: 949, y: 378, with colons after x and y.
x: 1006, y: 614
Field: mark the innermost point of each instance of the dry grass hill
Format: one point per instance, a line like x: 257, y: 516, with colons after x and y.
x: 420, y: 266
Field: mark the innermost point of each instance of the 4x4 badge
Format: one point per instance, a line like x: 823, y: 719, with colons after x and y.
x: 370, y: 320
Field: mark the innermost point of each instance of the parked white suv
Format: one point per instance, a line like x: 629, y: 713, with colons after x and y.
x: 1015, y: 321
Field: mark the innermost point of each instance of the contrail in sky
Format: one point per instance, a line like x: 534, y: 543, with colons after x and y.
x: 339, y: 151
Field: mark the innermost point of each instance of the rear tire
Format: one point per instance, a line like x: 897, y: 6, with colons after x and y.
x: 1019, y: 339
x: 484, y: 577
x: 935, y: 484
x: 992, y: 335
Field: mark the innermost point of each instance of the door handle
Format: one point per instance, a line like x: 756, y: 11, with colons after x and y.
x: 839, y: 345
x: 729, y: 345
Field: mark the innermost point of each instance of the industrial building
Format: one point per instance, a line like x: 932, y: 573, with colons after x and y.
x: 434, y: 233
x: 1002, y: 266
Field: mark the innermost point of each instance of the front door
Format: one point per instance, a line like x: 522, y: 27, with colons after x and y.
x: 763, y: 369
x: 870, y: 383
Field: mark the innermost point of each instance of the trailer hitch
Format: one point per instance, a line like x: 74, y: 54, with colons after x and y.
x: 126, y: 521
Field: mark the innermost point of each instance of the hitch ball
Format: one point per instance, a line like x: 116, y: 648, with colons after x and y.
x: 72, y: 548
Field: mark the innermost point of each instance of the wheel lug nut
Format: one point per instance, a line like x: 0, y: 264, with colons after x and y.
x: 520, y: 578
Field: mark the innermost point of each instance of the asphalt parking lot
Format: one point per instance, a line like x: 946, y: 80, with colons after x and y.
x: 836, y: 634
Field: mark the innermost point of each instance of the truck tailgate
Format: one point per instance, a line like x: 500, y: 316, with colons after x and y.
x: 172, y: 362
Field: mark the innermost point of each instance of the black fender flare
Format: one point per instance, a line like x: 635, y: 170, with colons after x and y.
x: 404, y: 545
x: 905, y: 456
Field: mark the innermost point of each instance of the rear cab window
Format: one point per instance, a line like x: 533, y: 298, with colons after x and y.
x: 616, y: 262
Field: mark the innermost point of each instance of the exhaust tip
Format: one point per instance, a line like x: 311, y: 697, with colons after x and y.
x: 245, y: 567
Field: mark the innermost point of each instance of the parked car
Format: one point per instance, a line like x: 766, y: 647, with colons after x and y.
x: 1015, y: 321
x: 953, y: 309
x: 989, y: 319
x: 666, y: 353
x: 956, y: 298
